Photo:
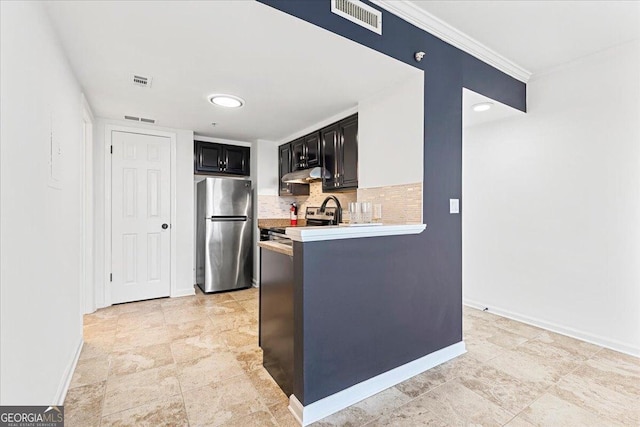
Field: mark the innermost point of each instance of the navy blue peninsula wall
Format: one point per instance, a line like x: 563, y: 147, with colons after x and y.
x: 400, y: 298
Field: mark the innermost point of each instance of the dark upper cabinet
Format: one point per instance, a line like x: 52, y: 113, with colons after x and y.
x: 330, y: 145
x: 236, y: 160
x: 221, y: 159
x: 312, y: 156
x: 349, y: 149
x: 305, y: 152
x: 340, y: 154
x: 285, y: 159
x: 297, y: 155
x: 208, y: 157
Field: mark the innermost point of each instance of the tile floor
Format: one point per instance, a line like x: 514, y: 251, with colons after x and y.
x: 194, y: 361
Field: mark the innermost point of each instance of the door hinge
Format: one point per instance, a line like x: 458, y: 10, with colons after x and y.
x: 112, y: 149
x: 111, y: 277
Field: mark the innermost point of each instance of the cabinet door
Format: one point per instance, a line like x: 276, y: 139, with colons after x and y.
x: 298, y: 155
x: 236, y: 160
x: 312, y: 150
x: 284, y: 167
x: 209, y: 157
x: 330, y: 156
x: 348, y: 170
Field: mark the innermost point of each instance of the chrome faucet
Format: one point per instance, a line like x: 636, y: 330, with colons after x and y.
x: 338, y: 217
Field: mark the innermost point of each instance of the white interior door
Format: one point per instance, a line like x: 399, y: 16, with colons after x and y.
x: 140, y: 217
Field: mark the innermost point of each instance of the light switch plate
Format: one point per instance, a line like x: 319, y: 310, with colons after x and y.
x: 454, y: 206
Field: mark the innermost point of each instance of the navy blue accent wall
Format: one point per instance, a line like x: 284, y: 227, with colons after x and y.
x: 433, y: 277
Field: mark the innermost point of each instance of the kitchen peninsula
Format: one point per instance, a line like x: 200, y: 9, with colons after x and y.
x: 341, y: 316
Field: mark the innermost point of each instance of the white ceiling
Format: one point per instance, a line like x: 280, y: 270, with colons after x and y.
x: 292, y: 74
x: 539, y: 35
x: 498, y: 111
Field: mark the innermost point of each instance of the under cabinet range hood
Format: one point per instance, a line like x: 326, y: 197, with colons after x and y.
x: 305, y: 176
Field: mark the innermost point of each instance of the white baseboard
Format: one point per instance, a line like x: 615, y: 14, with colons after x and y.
x: 315, y: 411
x: 554, y: 327
x: 183, y: 292
x: 61, y: 393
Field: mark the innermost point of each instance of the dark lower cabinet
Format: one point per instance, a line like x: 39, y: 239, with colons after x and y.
x: 285, y: 159
x: 221, y: 159
x: 276, y: 317
x: 340, y: 154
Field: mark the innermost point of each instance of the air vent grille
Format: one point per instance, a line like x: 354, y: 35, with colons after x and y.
x: 141, y: 81
x: 140, y: 119
x: 359, y: 13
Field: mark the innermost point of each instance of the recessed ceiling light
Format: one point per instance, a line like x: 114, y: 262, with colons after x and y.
x: 483, y: 106
x: 223, y: 100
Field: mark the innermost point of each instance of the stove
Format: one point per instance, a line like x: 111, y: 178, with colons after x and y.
x: 317, y: 218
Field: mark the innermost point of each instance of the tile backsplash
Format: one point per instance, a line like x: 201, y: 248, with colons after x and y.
x: 400, y: 203
x: 278, y: 207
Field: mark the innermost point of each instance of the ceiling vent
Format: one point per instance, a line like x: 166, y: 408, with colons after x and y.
x: 141, y: 81
x: 140, y: 119
x: 358, y: 12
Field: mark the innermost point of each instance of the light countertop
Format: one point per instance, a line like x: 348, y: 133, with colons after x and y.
x: 276, y: 247
x: 315, y: 234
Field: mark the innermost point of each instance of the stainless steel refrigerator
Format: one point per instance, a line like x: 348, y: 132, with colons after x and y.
x: 224, y: 235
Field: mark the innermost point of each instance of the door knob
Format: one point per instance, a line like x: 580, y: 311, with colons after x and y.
x: 165, y: 226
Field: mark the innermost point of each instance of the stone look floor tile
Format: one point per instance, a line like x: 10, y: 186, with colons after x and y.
x: 434, y: 377
x: 129, y: 391
x: 164, y: 412
x: 455, y: 404
x: 178, y: 331
x: 518, y: 422
x: 218, y: 403
x: 374, y: 407
x: 249, y: 357
x: 267, y: 388
x: 232, y: 321
x: 225, y: 307
x: 518, y: 328
x: 250, y: 305
x: 581, y: 349
x: 186, y: 314
x: 509, y: 365
x: 612, y: 372
x: 141, y: 337
x: 498, y: 336
x: 282, y: 415
x: 138, y: 359
x: 598, y: 399
x: 83, y: 405
x: 197, y: 347
x: 550, y: 410
x: 257, y: 419
x: 204, y: 371
x: 527, y: 368
x: 241, y: 337
x: 502, y: 389
x: 90, y: 371
x: 247, y: 294
x: 413, y: 414
x: 135, y: 321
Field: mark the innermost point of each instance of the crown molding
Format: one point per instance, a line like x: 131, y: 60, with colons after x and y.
x: 422, y: 19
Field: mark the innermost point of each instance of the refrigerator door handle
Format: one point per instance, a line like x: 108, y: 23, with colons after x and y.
x: 227, y: 218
